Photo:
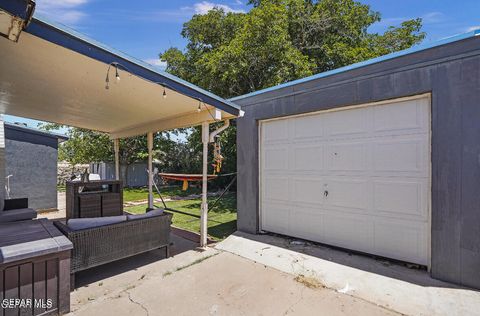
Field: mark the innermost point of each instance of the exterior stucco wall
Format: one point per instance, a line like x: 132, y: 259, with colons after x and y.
x: 34, y: 173
x: 451, y: 73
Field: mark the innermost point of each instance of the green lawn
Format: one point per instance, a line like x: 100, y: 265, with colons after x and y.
x: 222, y: 220
x: 137, y: 194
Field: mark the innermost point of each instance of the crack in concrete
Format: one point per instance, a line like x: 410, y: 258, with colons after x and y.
x: 137, y: 303
x: 290, y: 308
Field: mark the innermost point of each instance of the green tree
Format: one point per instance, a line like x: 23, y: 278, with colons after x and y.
x: 281, y: 40
x: 85, y: 146
x: 232, y: 54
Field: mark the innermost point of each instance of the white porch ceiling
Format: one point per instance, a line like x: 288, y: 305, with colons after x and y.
x: 47, y: 82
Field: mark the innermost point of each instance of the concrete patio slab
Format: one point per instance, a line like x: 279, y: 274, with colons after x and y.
x: 220, y: 283
x: 109, y: 279
x: 388, y: 284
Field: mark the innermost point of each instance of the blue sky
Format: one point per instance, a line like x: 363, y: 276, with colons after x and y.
x: 145, y: 28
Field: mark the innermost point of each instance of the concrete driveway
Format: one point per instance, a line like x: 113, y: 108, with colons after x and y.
x: 211, y: 282
x: 264, y: 275
x: 220, y: 283
x: 394, y: 285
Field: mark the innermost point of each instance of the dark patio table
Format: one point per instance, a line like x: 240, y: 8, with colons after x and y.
x: 34, y: 269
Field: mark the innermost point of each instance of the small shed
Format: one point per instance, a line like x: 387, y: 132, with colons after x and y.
x: 31, y: 165
x: 381, y: 157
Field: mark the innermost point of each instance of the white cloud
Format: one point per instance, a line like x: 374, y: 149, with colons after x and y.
x: 63, y: 11
x: 472, y: 28
x: 433, y: 17
x: 392, y: 21
x: 427, y: 18
x: 178, y: 15
x: 156, y: 62
x: 205, y: 6
x: 60, y: 3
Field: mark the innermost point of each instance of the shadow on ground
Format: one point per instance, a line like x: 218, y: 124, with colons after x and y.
x: 383, y: 266
x: 222, y: 230
x: 93, y: 275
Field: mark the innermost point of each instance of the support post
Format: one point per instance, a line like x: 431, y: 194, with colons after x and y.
x: 204, y: 208
x: 116, y: 148
x: 150, y: 169
x: 2, y: 165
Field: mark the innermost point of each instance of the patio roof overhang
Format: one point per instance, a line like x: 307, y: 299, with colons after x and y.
x: 57, y: 75
x: 51, y: 73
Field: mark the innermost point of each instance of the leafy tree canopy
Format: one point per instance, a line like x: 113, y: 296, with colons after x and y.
x: 85, y: 146
x: 232, y: 54
x: 280, y: 40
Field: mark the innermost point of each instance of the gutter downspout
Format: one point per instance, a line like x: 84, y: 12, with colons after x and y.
x: 219, y: 130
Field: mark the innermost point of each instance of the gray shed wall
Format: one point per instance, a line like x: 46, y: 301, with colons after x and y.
x: 136, y: 173
x: 451, y: 73
x: 34, y: 173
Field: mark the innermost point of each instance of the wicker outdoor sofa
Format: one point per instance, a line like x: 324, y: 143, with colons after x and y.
x: 99, y: 245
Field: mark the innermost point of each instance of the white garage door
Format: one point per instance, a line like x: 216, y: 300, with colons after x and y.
x: 356, y: 178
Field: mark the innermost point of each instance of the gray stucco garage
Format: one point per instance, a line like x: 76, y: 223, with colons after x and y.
x: 31, y: 165
x: 381, y: 157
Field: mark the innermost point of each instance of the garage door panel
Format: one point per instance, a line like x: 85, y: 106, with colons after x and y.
x: 275, y: 218
x: 346, y: 123
x: 276, y: 159
x: 401, y: 156
x: 347, y: 193
x: 346, y: 157
x: 308, y: 127
x: 402, y: 116
x: 306, y: 223
x: 373, y: 161
x: 276, y: 188
x: 308, y: 158
x: 275, y: 131
x: 401, y: 198
x: 308, y: 190
x: 338, y: 231
x: 408, y: 239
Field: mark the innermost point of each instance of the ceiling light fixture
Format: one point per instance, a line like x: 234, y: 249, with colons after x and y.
x: 117, y: 66
x: 117, y: 76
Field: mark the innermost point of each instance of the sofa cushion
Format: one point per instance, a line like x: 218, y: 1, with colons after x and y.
x: 84, y: 223
x: 152, y: 213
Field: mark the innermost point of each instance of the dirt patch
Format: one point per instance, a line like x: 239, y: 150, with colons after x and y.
x: 309, y: 282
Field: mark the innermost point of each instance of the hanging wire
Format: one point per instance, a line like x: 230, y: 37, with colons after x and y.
x: 205, y: 105
x: 117, y: 76
x: 165, y: 86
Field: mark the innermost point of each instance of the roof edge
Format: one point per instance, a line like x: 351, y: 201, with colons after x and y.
x: 408, y: 51
x: 71, y: 39
x: 35, y: 131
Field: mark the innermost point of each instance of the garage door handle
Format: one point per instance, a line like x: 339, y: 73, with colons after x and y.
x: 325, y: 193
